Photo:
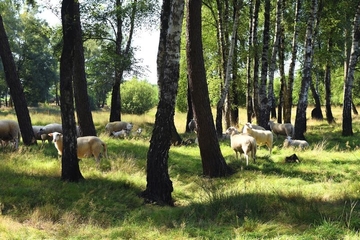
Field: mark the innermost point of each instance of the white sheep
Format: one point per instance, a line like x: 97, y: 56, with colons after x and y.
x: 10, y: 131
x: 56, y: 127
x: 302, y: 144
x: 253, y: 127
x: 39, y: 136
x: 242, y: 143
x: 118, y: 126
x: 122, y: 133
x: 86, y: 146
x: 262, y: 136
x: 285, y: 129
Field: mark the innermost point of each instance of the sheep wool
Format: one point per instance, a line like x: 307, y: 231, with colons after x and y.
x: 10, y: 131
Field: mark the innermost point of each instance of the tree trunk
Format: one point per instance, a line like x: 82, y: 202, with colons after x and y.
x: 16, y: 90
x: 255, y: 44
x: 213, y: 162
x: 263, y: 114
x: 122, y: 58
x: 349, y: 80
x: 289, y: 101
x: 82, y: 103
x: 272, y: 67
x: 159, y: 185
x: 229, y: 67
x: 329, y: 116
x: 70, y: 170
x: 316, y: 113
x: 190, y: 113
x: 300, y: 121
x: 283, y: 87
x: 249, y: 82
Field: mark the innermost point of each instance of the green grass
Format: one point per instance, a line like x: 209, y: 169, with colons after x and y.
x: 269, y: 199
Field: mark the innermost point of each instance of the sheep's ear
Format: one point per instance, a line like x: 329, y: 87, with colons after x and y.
x: 50, y: 134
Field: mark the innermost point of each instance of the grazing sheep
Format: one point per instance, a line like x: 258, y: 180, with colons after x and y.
x: 285, y: 129
x: 253, y: 127
x: 288, y: 142
x: 39, y: 136
x: 56, y: 127
x: 86, y: 146
x: 118, y: 126
x: 192, y: 125
x: 292, y: 159
x: 123, y: 133
x: 242, y: 143
x: 261, y: 136
x: 10, y: 131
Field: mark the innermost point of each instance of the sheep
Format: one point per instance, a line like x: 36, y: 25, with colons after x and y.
x: 192, y: 125
x: 39, y: 136
x: 288, y: 142
x: 285, y: 129
x: 242, y: 143
x: 56, y: 127
x: 10, y: 131
x: 123, y: 133
x: 292, y: 159
x: 118, y: 126
x: 253, y: 127
x: 86, y: 146
x: 261, y: 136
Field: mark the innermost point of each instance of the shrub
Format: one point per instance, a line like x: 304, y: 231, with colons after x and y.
x: 137, y: 97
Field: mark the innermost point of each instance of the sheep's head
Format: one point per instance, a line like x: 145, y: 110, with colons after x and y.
x: 129, y: 126
x: 139, y: 131
x: 231, y: 131
x: 56, y: 136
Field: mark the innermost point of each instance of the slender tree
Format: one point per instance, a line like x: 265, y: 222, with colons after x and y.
x: 272, y: 65
x: 213, y: 162
x: 16, y: 89
x: 82, y: 103
x: 348, y: 83
x: 300, y: 121
x: 70, y: 170
x: 159, y: 185
x: 263, y: 111
x: 289, y: 101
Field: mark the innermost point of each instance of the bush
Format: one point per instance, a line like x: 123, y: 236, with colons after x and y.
x: 138, y: 97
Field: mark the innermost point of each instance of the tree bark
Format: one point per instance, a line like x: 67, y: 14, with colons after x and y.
x: 228, y: 78
x: 249, y: 82
x: 272, y: 66
x: 300, y: 121
x: 263, y: 114
x: 213, y: 162
x: 70, y: 170
x: 288, y: 102
x: 16, y: 90
x: 123, y: 55
x: 159, y: 185
x: 82, y: 103
x: 349, y: 80
x: 329, y: 116
x: 255, y: 44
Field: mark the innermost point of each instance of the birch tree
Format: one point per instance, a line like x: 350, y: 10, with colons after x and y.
x: 349, y: 80
x: 159, y: 186
x: 300, y: 121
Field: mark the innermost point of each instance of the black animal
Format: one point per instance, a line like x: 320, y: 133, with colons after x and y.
x: 292, y: 159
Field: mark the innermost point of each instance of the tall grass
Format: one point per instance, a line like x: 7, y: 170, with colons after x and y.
x: 316, y: 199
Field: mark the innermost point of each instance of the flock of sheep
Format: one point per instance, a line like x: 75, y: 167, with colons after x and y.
x: 244, y: 141
x: 87, y: 146
x: 251, y: 135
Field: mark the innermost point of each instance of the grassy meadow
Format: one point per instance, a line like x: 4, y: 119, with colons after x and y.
x: 315, y: 199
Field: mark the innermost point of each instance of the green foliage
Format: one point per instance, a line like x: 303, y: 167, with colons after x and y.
x: 138, y: 97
